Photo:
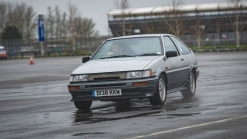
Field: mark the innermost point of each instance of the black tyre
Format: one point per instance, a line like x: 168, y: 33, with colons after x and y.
x: 160, y: 93
x: 83, y: 105
x: 191, y: 86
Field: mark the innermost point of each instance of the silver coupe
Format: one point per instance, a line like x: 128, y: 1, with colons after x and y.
x: 138, y: 66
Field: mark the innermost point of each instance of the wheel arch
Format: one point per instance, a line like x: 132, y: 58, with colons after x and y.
x: 159, y: 72
x: 192, y: 68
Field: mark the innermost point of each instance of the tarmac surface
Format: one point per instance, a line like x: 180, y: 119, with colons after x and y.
x: 35, y: 103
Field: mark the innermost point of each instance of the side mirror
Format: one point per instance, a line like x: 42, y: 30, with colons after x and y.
x: 171, y: 54
x: 85, y: 59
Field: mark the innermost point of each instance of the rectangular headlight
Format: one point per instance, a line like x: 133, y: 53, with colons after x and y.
x: 139, y: 74
x: 134, y: 74
x: 147, y: 73
x: 78, y: 78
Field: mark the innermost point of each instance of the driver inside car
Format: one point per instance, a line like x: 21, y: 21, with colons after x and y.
x: 116, y: 49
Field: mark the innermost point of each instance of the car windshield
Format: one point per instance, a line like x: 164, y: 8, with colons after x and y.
x: 130, y: 47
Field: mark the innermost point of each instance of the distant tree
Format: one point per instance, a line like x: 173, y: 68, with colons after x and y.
x: 218, y: 26
x: 63, y: 26
x: 148, y: 27
x: 30, y: 24
x: 78, y: 27
x: 173, y: 18
x: 11, y: 32
x: 3, y: 15
x: 198, y: 28
x: 88, y: 31
x: 58, y: 22
x: 19, y: 15
x: 237, y: 22
x: 122, y: 6
x: 50, y: 23
x: 69, y: 26
x: 72, y: 22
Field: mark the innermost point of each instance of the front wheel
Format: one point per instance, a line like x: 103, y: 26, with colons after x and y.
x: 160, y: 93
x: 191, y: 86
x: 83, y: 105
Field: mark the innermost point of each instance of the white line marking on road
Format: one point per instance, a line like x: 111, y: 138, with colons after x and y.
x: 188, y: 127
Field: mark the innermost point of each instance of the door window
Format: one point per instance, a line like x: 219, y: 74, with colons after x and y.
x: 183, y: 48
x: 169, y: 45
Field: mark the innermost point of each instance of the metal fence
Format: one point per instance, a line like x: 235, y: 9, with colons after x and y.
x: 217, y: 45
x: 63, y: 47
x: 52, y: 47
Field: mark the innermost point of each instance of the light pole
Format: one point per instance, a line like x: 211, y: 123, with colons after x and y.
x: 41, y: 32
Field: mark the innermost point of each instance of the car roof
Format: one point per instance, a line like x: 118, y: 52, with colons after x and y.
x: 136, y: 36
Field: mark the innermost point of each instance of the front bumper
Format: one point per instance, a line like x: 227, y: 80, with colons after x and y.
x: 128, y: 90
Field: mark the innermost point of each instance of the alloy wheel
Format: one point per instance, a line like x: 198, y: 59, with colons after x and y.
x: 162, y: 89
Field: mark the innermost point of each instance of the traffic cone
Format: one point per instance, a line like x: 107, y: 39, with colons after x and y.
x: 31, y: 60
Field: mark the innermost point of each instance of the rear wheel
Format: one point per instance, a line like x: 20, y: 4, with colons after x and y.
x: 160, y: 93
x: 191, y: 86
x: 83, y: 105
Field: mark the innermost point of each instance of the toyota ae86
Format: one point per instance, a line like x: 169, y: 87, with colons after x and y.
x: 137, y: 66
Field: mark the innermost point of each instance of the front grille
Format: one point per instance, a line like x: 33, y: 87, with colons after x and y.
x: 107, y: 78
x: 105, y: 85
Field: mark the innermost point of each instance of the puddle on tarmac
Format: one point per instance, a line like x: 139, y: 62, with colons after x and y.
x: 183, y: 114
x: 13, y: 93
x: 168, y: 117
x: 94, y: 133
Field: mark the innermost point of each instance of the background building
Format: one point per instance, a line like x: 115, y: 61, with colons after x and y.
x: 197, y: 24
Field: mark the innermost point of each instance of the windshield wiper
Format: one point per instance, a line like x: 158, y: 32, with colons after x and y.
x: 116, y: 56
x: 149, y: 54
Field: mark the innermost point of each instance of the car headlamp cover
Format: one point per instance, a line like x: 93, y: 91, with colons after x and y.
x: 138, y: 74
x: 147, y: 73
x: 78, y: 78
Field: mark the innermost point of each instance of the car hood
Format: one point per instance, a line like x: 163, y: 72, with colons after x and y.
x: 114, y: 65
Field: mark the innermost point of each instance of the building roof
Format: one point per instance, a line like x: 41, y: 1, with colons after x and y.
x: 192, y: 8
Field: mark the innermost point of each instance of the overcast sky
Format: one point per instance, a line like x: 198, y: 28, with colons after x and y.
x: 98, y: 9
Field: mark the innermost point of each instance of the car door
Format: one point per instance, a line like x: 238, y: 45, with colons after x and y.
x: 186, y: 56
x: 175, y: 69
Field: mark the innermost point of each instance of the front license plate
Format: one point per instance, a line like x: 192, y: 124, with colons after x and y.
x: 104, y: 93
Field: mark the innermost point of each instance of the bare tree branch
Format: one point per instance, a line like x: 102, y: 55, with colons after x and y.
x: 236, y: 22
x: 198, y: 28
x: 3, y: 15
x: 73, y: 16
x: 30, y: 24
x: 22, y: 16
x: 173, y: 18
x: 57, y: 22
x: 50, y: 23
x: 122, y: 5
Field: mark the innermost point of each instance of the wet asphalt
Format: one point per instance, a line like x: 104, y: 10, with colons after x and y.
x: 35, y: 103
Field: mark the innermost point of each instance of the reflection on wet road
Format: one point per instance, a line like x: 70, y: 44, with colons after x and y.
x: 131, y: 109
